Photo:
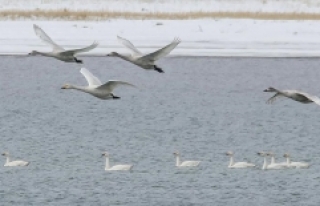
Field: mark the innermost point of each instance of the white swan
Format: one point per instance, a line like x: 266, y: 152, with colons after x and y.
x: 185, y: 163
x: 273, y: 160
x: 96, y: 88
x: 267, y: 166
x: 296, y: 164
x: 145, y: 61
x: 292, y: 94
x: 13, y: 163
x: 115, y: 167
x: 233, y: 164
x: 58, y: 52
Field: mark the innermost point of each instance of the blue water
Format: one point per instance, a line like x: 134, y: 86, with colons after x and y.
x: 201, y: 107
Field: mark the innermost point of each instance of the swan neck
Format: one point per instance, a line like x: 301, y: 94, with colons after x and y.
x: 125, y: 57
x: 231, y: 161
x: 84, y: 89
x: 273, y: 161
x: 107, y: 163
x: 177, y: 160
x: 8, y: 159
x: 264, y: 166
x: 47, y: 54
x: 288, y: 160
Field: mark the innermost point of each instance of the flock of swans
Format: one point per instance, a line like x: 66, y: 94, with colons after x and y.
x: 147, y: 62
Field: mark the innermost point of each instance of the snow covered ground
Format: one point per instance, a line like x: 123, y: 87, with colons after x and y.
x: 260, y: 38
x: 312, y: 6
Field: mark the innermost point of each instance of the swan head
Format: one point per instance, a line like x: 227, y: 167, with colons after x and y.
x: 105, y: 154
x: 5, y: 154
x: 229, y: 153
x: 66, y: 86
x: 113, y: 54
x: 176, y: 153
x: 270, y: 89
x: 263, y: 154
x: 286, y: 155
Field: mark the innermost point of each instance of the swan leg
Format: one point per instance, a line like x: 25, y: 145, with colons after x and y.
x: 158, y: 69
x: 115, y: 97
x: 78, y: 61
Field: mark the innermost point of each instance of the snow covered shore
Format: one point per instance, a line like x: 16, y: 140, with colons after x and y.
x: 259, y: 38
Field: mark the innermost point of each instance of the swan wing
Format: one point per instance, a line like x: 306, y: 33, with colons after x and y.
x: 274, y: 98
x: 112, y: 84
x: 315, y: 99
x: 190, y: 163
x: 162, y: 52
x: 130, y: 46
x: 91, y: 79
x: 85, y: 49
x: 121, y: 167
x: 44, y: 37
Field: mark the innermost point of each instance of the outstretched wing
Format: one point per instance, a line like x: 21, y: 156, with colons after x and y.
x: 162, y: 52
x: 112, y: 84
x: 130, y: 46
x: 44, y: 37
x: 315, y: 99
x: 91, y: 79
x: 274, y: 98
x: 85, y: 49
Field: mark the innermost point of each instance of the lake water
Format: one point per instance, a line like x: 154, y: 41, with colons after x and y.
x: 201, y: 107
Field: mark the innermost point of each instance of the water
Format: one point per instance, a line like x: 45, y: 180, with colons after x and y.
x: 201, y: 107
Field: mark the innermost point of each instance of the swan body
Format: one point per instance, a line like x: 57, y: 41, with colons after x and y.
x: 115, y: 167
x: 267, y: 166
x: 57, y: 51
x: 14, y: 163
x: 185, y: 163
x: 145, y: 61
x: 296, y: 164
x: 96, y: 88
x: 239, y: 165
x: 292, y: 94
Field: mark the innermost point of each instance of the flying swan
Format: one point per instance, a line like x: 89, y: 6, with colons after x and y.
x: 96, y: 88
x: 115, y: 167
x: 13, y: 163
x: 233, y: 164
x: 296, y: 164
x: 145, y: 61
x: 185, y: 163
x: 292, y: 94
x: 57, y: 51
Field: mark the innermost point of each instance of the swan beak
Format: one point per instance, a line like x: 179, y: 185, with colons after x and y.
x: 266, y: 90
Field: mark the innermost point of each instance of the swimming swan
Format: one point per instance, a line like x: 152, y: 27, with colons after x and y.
x: 145, y: 61
x: 267, y: 166
x: 13, y: 163
x: 95, y: 87
x: 292, y: 94
x: 115, y: 167
x: 296, y: 164
x: 233, y: 164
x: 58, y: 52
x: 185, y: 163
x: 273, y: 160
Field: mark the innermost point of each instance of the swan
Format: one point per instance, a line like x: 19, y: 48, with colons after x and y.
x: 96, y: 88
x: 145, y: 61
x: 185, y: 163
x: 296, y: 164
x: 273, y: 160
x: 292, y: 94
x: 233, y: 164
x: 267, y: 166
x: 57, y: 51
x: 14, y: 163
x: 115, y: 167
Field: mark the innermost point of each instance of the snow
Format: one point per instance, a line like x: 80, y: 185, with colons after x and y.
x: 259, y: 38
x: 311, y: 6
